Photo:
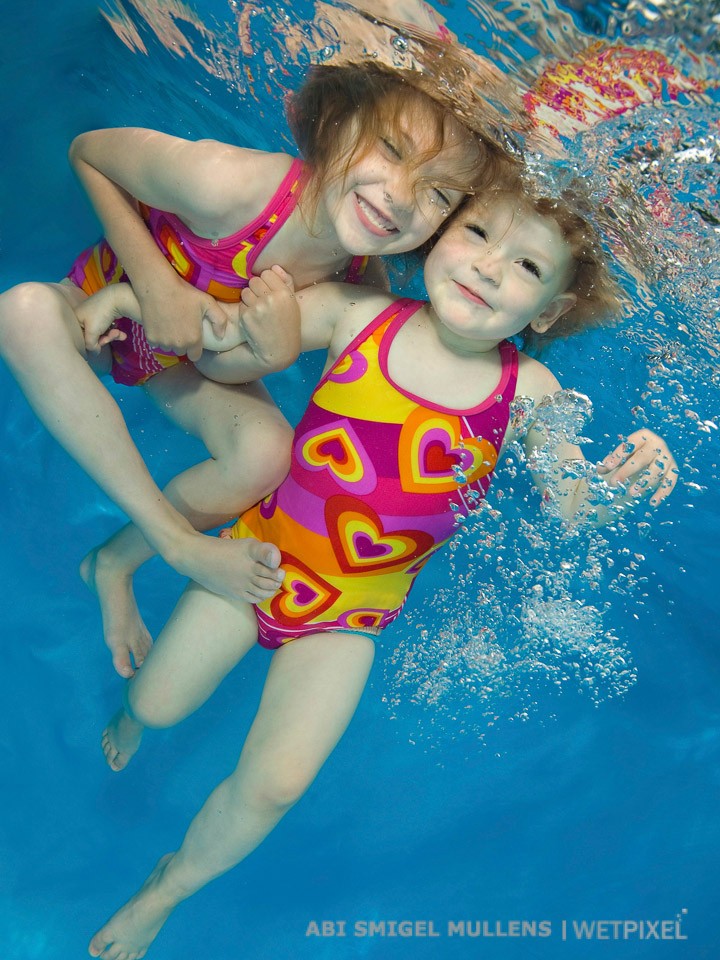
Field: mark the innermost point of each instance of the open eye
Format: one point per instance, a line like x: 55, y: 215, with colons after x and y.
x: 531, y: 267
x: 391, y: 149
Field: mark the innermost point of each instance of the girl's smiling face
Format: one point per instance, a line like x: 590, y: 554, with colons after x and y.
x: 497, y: 269
x: 386, y: 202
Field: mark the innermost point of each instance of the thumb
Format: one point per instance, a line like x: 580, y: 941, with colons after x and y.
x: 194, y: 349
x: 217, y: 318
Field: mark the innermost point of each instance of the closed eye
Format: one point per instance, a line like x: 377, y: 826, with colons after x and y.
x: 477, y: 230
x: 391, y: 149
x: 442, y: 198
x: 531, y: 267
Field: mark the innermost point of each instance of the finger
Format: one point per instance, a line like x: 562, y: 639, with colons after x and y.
x: 642, y: 453
x: 194, y: 350
x: 659, y: 473
x: 111, y: 336
x: 284, y: 276
x: 649, y: 460
x: 217, y: 319
x: 248, y: 297
x: 618, y: 456
x: 258, y: 286
x: 666, y: 487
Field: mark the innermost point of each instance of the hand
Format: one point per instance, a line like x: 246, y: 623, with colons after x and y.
x: 97, y: 313
x: 644, y: 462
x: 232, y: 336
x: 173, y: 314
x: 271, y: 318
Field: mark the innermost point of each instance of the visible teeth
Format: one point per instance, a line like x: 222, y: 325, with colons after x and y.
x: 375, y: 217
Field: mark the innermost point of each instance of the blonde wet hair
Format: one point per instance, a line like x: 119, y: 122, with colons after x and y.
x: 341, y: 112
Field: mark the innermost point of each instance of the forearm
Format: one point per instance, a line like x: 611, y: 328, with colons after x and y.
x: 242, y: 364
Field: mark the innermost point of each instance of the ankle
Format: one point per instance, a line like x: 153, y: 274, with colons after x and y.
x: 170, y: 884
x: 179, y: 550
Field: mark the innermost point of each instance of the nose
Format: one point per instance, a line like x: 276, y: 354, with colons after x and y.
x: 398, y: 192
x: 488, y: 264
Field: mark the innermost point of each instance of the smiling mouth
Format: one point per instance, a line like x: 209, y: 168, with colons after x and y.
x: 470, y: 294
x: 373, y: 219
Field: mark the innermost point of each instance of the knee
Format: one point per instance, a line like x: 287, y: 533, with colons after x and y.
x: 153, y: 712
x: 263, y: 458
x: 24, y: 310
x: 274, y: 458
x: 281, y: 787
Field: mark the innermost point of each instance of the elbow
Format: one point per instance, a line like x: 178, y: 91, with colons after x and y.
x: 276, y: 364
x: 76, y: 151
x: 280, y: 359
x: 80, y: 147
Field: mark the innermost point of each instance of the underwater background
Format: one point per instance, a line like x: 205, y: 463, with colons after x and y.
x: 540, y: 738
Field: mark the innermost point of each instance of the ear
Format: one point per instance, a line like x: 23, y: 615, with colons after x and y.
x: 553, y: 311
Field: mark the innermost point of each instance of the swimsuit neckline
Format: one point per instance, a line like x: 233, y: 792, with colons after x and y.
x: 505, y: 349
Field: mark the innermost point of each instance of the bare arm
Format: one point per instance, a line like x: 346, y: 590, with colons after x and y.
x: 642, y: 466
x: 330, y: 316
x: 199, y: 182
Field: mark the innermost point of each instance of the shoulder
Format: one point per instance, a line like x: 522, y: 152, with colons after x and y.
x: 234, y: 184
x: 535, y: 380
x: 333, y: 314
x: 347, y: 298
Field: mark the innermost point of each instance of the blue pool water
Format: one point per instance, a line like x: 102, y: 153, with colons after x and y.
x: 499, y: 768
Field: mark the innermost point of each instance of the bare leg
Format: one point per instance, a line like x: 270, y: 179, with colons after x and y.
x: 249, y: 443
x: 312, y: 690
x: 205, y: 637
x: 41, y: 342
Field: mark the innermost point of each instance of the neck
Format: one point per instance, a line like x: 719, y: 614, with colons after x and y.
x: 320, y: 224
x: 457, y: 344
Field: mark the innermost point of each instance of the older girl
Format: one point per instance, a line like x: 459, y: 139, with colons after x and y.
x: 384, y: 163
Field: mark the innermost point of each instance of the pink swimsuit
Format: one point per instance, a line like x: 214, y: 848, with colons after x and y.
x: 221, y: 267
x: 377, y: 477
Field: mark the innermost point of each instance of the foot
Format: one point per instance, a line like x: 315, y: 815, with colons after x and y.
x: 129, y: 932
x: 121, y: 739
x: 245, y: 569
x: 125, y: 633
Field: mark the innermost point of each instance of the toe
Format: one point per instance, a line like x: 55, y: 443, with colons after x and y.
x: 98, y: 945
x: 121, y: 662
x: 267, y: 554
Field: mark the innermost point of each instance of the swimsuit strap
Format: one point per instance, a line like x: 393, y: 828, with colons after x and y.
x: 356, y: 270
x: 266, y: 223
x: 277, y: 212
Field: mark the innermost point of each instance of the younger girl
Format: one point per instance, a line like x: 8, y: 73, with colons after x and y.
x: 404, y: 429
x: 385, y: 163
